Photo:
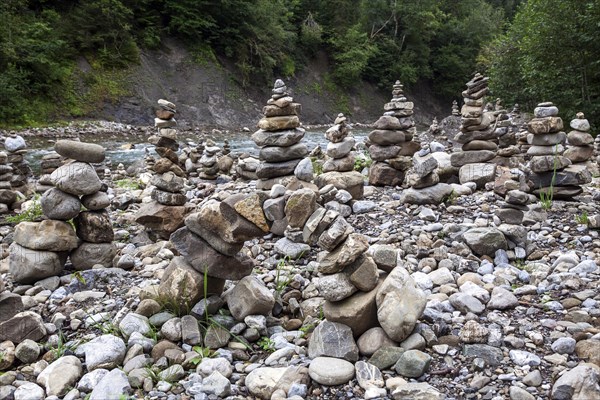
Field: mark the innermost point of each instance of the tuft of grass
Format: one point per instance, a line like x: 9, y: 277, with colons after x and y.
x: 285, y: 264
x: 33, y: 213
x: 266, y: 343
x: 547, y: 196
x: 582, y: 218
x: 317, y: 166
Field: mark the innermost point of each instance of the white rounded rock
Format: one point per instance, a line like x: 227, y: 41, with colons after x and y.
x: 331, y: 371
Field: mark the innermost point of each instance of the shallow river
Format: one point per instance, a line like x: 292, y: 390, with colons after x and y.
x: 117, y: 145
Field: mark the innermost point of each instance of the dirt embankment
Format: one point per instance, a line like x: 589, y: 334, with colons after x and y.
x: 208, y: 94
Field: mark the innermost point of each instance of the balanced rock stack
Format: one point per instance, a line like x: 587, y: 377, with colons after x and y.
x: 7, y: 195
x: 17, y: 148
x: 40, y: 249
x: 477, y: 138
x: 210, y: 244
x: 424, y: 181
x: 208, y: 167
x: 580, y: 148
x: 597, y: 149
x: 391, y: 145
x: 120, y: 173
x: 455, y: 109
x: 355, y: 294
x: 552, y: 172
x: 339, y: 149
x: 50, y: 162
x: 279, y: 137
x: 509, y: 153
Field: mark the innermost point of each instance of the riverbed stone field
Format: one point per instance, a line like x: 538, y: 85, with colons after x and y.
x: 459, y: 262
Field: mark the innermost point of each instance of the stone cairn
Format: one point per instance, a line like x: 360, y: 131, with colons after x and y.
x: 455, y: 109
x: 509, y: 152
x: 340, y: 157
x: 165, y: 213
x: 424, y: 181
x: 210, y: 245
x: 552, y: 173
x: 580, y: 144
x: 17, y: 148
x: 476, y: 136
x: 40, y: 249
x: 597, y: 149
x: 391, y: 143
x: 279, y: 137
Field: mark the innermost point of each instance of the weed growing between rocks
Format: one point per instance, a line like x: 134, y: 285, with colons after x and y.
x: 30, y: 214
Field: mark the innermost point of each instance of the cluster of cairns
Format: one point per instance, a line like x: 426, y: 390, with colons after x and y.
x: 279, y: 139
x: 40, y: 249
x: 391, y: 144
x: 14, y: 171
x: 552, y: 173
x: 477, y: 137
x: 214, y: 161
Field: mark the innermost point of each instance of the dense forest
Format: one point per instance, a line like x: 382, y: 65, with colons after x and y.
x: 534, y: 50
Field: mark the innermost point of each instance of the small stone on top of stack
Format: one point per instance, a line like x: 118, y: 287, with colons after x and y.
x: 279, y: 138
x: 551, y: 172
x: 390, y: 144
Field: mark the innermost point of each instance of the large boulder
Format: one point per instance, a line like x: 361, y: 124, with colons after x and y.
x: 49, y: 235
x: 29, y: 266
x: 399, y: 304
x: 161, y: 219
x: 76, y: 178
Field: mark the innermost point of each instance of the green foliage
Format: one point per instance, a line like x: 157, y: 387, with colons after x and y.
x: 362, y: 161
x: 547, y: 194
x: 129, y: 184
x: 550, y: 52
x: 32, y: 213
x: 352, y: 53
x: 203, y: 352
x: 267, y: 344
x: 582, y: 218
x: 317, y: 166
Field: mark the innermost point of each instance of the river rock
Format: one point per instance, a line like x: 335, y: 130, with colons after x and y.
x: 579, y: 383
x: 278, y: 154
x: 94, y: 227
x: 416, y: 391
x: 60, y: 376
x: 29, y: 391
x: 76, y: 178
x: 249, y: 297
x: 89, y: 254
x: 79, y: 151
x: 106, y: 351
x: 332, y: 339
x: 353, y: 182
x: 49, y: 235
x: 413, y: 363
x: 57, y: 204
x: 283, y: 138
x: 300, y: 206
x: 430, y: 195
x: 204, y: 258
x: 96, y: 201
x: 113, y: 386
x: 344, y: 255
x: 29, y: 266
x: 331, y: 371
x: 485, y: 241
x: 399, y: 304
x: 10, y: 305
x: 24, y: 325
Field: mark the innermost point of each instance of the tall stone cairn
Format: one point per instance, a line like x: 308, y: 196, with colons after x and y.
x: 477, y: 137
x: 168, y: 180
x: 340, y: 156
x: 279, y: 138
x: 551, y: 171
x: 40, y: 249
x: 391, y: 143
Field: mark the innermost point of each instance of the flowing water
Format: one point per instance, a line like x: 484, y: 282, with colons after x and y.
x: 127, y: 149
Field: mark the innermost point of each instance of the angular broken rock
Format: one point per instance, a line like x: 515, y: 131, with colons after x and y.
x: 249, y: 296
x: 345, y: 254
x: 332, y: 339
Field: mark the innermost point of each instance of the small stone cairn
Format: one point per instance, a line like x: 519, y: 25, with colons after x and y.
x: 339, y: 149
x: 120, y: 173
x: 509, y: 153
x: 424, y: 181
x: 211, y: 244
x: 40, y: 249
x: 279, y: 138
x: 455, y: 109
x: 597, y: 149
x: 16, y: 147
x: 476, y: 136
x: 580, y: 144
x: 551, y: 172
x: 391, y: 143
x: 7, y: 195
x: 208, y: 164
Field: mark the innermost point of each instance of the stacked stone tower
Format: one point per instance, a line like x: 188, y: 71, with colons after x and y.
x: 552, y: 172
x: 279, y: 138
x: 391, y: 143
x: 40, y: 249
x: 476, y: 136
